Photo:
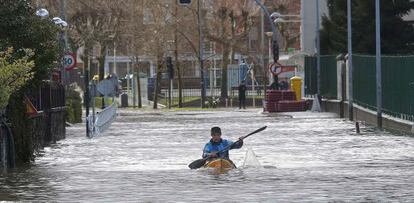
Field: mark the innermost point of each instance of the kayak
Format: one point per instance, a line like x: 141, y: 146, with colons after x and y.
x: 220, y: 164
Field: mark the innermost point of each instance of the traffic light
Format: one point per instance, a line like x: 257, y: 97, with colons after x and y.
x: 170, y: 68
x: 184, y: 2
x: 275, y: 49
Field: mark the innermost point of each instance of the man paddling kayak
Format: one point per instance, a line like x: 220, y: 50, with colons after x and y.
x: 217, y: 144
x: 212, y: 149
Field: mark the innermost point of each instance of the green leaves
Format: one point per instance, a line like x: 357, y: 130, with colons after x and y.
x: 396, y: 34
x: 14, y: 72
x: 22, y: 29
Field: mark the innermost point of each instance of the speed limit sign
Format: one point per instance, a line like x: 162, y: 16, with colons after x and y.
x: 69, y: 61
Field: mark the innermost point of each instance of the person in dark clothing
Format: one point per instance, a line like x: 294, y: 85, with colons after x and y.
x: 275, y: 83
x: 242, y: 95
x: 284, y: 85
x: 216, y: 144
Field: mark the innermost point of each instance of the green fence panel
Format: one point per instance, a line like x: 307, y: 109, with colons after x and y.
x: 328, y: 76
x: 310, y: 75
x: 329, y: 80
x: 364, y: 86
x: 397, y: 84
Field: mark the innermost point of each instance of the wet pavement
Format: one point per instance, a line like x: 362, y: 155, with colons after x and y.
x: 143, y: 157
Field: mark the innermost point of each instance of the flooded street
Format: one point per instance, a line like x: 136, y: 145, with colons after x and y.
x: 143, y: 157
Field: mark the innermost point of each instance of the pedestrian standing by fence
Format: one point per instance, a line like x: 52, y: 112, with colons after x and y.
x: 242, y: 95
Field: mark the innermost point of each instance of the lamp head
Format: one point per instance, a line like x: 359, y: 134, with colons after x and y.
x: 275, y: 15
x: 43, y: 13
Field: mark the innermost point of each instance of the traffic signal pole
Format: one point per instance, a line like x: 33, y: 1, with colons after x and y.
x: 275, y: 45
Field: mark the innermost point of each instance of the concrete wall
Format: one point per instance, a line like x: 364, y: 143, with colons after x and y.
x: 368, y: 116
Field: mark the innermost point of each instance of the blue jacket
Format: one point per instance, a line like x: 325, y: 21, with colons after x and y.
x: 217, y: 146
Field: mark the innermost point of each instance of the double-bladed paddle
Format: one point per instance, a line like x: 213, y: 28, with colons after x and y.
x: 200, y: 162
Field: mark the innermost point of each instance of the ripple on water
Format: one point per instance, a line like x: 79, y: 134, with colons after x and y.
x: 144, y: 156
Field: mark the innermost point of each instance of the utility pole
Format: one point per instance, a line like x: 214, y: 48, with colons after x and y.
x: 318, y: 51
x: 87, y: 96
x: 200, y: 54
x: 275, y: 45
x: 350, y: 68
x: 64, y: 39
x: 138, y: 81
x: 87, y: 99
x: 177, y: 63
x: 378, y: 62
x: 262, y: 45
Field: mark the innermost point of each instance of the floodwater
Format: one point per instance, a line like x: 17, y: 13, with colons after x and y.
x: 143, y: 157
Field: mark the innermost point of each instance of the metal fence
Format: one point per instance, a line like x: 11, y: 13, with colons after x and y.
x: 191, y: 91
x: 328, y: 76
x: 310, y: 76
x: 189, y: 95
x: 47, y: 96
x: 397, y: 84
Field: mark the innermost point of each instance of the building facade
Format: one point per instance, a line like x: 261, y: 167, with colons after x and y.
x: 308, y: 26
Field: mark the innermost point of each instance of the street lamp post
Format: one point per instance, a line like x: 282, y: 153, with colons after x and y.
x: 350, y: 68
x: 262, y: 41
x: 269, y: 36
x: 318, y: 51
x: 378, y: 62
x: 44, y: 14
x: 64, y: 38
x: 275, y: 45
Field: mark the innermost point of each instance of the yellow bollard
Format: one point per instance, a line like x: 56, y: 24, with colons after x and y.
x: 296, y: 86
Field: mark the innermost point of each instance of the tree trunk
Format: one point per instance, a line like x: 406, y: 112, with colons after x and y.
x: 180, y: 82
x: 225, y: 62
x: 102, y: 62
x: 232, y: 38
x: 138, y: 82
x: 102, y: 69
x: 157, y: 83
x: 177, y: 63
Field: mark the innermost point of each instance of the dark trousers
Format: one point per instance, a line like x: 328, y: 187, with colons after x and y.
x: 242, y: 103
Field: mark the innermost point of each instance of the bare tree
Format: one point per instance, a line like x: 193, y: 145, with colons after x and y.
x: 95, y: 22
x: 185, y: 38
x: 157, y: 35
x: 133, y: 37
x: 288, y: 31
x: 229, y: 27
